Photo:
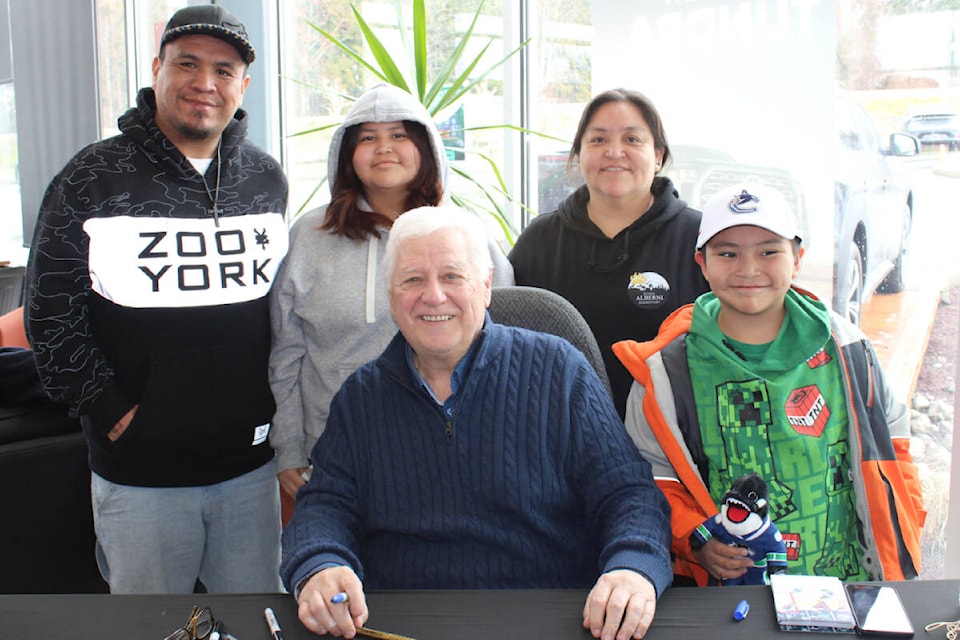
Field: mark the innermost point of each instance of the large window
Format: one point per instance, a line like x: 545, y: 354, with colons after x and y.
x: 11, y: 242
x: 128, y: 34
x: 561, y: 66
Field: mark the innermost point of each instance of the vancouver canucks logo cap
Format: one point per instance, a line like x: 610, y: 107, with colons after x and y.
x: 743, y: 202
x: 210, y: 20
x: 756, y: 205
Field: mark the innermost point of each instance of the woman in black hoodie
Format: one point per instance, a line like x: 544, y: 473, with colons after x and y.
x: 620, y: 248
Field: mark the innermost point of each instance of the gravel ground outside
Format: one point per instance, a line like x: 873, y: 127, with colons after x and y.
x: 932, y: 424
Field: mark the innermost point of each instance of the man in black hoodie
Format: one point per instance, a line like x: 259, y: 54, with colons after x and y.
x: 148, y: 277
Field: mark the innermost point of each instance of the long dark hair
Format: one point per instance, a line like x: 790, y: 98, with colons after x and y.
x: 649, y: 112
x: 344, y: 217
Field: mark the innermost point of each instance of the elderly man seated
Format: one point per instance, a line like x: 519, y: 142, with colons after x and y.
x: 471, y: 455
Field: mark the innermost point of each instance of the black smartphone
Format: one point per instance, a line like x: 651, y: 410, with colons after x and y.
x: 878, y: 611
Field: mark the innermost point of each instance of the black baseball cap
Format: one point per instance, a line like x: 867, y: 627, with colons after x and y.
x: 211, y: 20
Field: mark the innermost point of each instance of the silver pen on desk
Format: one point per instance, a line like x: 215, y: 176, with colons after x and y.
x: 273, y: 624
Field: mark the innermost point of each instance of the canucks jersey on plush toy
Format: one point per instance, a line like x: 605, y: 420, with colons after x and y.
x: 743, y: 521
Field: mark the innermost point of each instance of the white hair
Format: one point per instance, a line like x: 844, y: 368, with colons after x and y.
x: 423, y: 221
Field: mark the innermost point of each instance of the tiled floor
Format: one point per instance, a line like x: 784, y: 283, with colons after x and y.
x: 899, y: 326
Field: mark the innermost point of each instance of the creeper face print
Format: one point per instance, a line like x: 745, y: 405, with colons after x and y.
x: 839, y: 550
x: 745, y: 418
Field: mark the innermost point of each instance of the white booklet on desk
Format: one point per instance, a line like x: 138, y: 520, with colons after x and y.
x: 811, y: 603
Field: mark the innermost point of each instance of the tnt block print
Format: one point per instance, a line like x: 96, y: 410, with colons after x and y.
x: 807, y: 411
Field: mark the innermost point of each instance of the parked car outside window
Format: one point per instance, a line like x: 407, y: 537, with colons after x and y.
x: 873, y: 210
x: 935, y: 129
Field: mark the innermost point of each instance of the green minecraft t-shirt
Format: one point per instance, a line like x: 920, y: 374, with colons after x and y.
x: 779, y: 409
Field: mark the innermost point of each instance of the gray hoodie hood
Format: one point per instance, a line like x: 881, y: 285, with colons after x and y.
x: 387, y: 103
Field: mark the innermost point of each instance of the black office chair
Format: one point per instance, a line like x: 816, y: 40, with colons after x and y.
x: 548, y: 312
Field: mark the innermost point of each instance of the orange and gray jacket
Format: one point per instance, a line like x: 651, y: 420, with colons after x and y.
x: 661, y: 412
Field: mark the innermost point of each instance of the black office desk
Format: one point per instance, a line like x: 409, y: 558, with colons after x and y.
x: 683, y: 613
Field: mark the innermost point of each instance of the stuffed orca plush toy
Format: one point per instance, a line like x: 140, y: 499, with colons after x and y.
x: 743, y: 521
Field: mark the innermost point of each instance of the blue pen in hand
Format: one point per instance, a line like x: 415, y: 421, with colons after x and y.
x: 741, y: 611
x: 339, y: 598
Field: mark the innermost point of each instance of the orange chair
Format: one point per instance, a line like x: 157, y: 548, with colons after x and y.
x: 12, y: 333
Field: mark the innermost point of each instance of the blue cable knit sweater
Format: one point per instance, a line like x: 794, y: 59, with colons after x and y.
x: 533, y: 482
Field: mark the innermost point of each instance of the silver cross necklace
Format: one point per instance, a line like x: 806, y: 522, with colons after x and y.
x: 215, y: 196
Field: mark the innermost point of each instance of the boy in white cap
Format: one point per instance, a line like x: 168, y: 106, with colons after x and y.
x: 760, y: 376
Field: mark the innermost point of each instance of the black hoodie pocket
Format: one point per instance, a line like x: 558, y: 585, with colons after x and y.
x: 204, y: 397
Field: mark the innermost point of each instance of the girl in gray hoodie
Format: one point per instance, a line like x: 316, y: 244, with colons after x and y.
x: 329, y: 313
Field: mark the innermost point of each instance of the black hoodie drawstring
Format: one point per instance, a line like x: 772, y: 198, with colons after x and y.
x: 618, y: 262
